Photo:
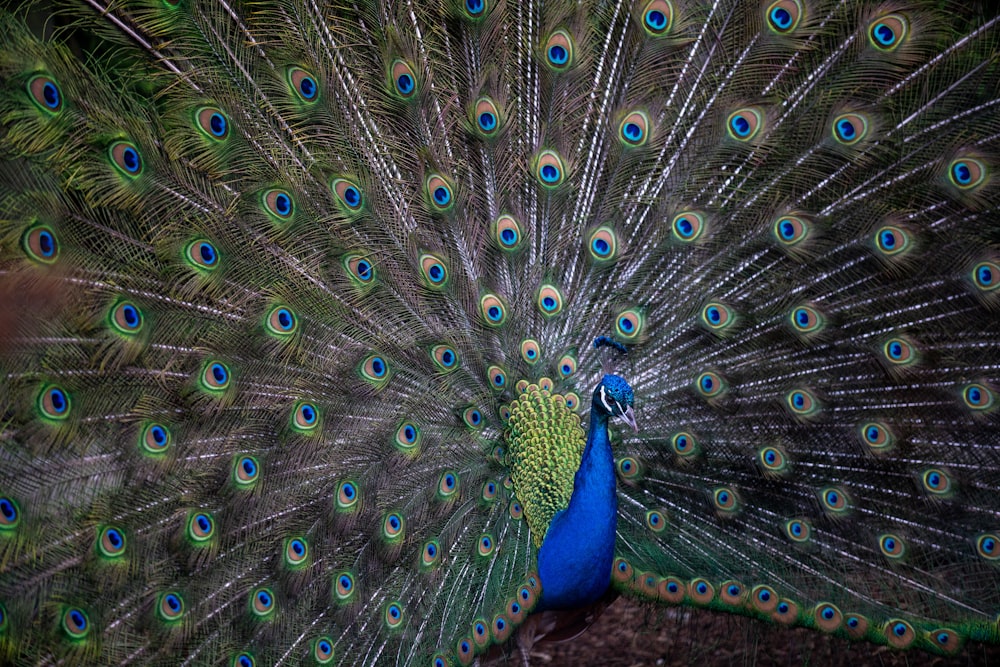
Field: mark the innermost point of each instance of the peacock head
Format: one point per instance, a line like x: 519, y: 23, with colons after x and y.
x: 613, y: 397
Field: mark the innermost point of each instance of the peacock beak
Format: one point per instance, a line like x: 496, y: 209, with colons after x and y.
x: 628, y: 416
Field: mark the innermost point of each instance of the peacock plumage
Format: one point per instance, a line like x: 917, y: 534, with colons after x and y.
x: 303, y: 304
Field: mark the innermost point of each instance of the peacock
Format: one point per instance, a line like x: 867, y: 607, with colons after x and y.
x: 372, y: 332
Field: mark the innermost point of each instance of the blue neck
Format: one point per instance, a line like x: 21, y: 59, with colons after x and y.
x: 575, y: 560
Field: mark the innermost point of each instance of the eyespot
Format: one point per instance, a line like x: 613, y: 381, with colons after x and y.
x: 296, y: 551
x: 125, y: 157
x: 731, y: 593
x: 202, y: 255
x: 772, y: 461
x: 550, y: 300
x: 448, y: 485
x: 790, y: 230
x: 40, y: 244
x: 393, y: 615
x: 170, y: 607
x: 45, y: 93
x: 856, y: 625
x: 344, y: 586
x: 464, y: 648
x: 515, y: 611
x: 493, y: 310
x: 622, y: 571
x: 497, y: 378
x: 798, y: 530
x: 628, y: 468
x: 500, y: 629
x: 439, y: 192
x: 549, y: 169
x: 125, y: 318
x: 244, y: 660
x: 784, y: 16
x: 507, y: 232
x: 444, y: 357
x: 473, y: 417
x: 246, y: 471
x: 348, y: 194
x: 986, y: 276
x: 947, y: 641
x: 978, y: 397
x: 475, y: 8
x: 487, y: 117
x: 155, y: 438
x: 628, y: 324
x: 684, y: 444
x: 967, y: 173
x: 700, y: 591
x: 850, y: 128
x: 281, y: 321
x: 688, y: 226
x: 899, y: 633
x: 891, y: 546
x: 744, y: 124
x: 834, y: 500
x: 212, y: 122
x: 877, y: 436
x: 671, y: 590
x: 936, y: 482
x: 430, y: 554
x: 215, y: 376
x: 806, y: 319
x: 827, y: 617
x: 279, y: 204
x: 572, y: 400
x: 567, y: 365
x: 489, y: 491
x: 545, y: 384
x: 110, y: 542
x: 360, y: 269
x: 716, y: 316
x: 988, y: 546
x: 887, y: 32
x: 603, y: 244
x: 200, y: 527
x: 75, y: 623
x: 375, y: 369
x: 322, y: 650
x: 764, y: 599
x: 785, y: 612
x: 54, y: 403
x: 305, y: 417
x: 407, y: 438
x: 891, y: 240
x: 404, y: 81
x: 655, y: 521
x: 393, y: 527
x: 347, y: 495
x: 10, y: 513
x: 801, y: 402
x: 434, y: 271
x: 515, y: 509
x: 657, y: 17
x: 725, y: 500
x: 530, y: 351
x: 899, y: 351
x: 304, y: 84
x: 480, y: 633
x: 634, y: 129
x: 710, y: 385
x: 262, y: 602
x: 559, y: 51
x: 485, y: 545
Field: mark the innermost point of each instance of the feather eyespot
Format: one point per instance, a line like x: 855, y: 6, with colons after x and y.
x: 497, y: 378
x: 688, y: 226
x: 45, y: 93
x: 634, y: 128
x: 125, y: 157
x: 212, y: 123
x: 201, y: 255
x: 473, y: 417
x: 559, y: 51
x: 877, y: 436
x: 791, y: 230
x: 710, y: 384
x: 567, y: 365
x: 155, y: 439
x: 628, y: 468
x: 215, y: 376
x: 684, y: 445
x: 434, y: 271
x: 430, y: 554
x: 125, y: 318
x: 445, y: 358
x: 10, y: 513
x: 899, y: 633
x: 899, y: 351
x: 827, y: 617
x: 393, y: 527
x: 785, y: 612
x: 476, y: 8
x: 281, y: 321
x: 111, y: 542
x: 278, y: 204
x: 393, y: 615
x: 550, y: 169
x: 891, y: 546
x: 305, y: 417
x: 656, y: 521
x: 507, y: 232
x: 834, y: 500
x: 745, y: 124
x: 375, y: 369
x: 296, y: 552
x: 343, y: 586
x: 515, y: 509
x: 783, y: 16
x: 967, y: 173
x: 465, y: 650
x: 262, y: 602
x: 550, y: 300
x: 622, y: 571
x: 978, y: 396
x: 485, y: 545
x: 856, y: 625
x: 657, y: 17
x: 987, y: 546
x: 40, y: 244
x: 850, y: 128
x: 802, y: 403
x: 246, y: 471
x: 53, y: 403
x: 806, y: 320
x: 936, y: 482
x: 732, y: 593
x: 407, y: 437
x: 501, y: 628
x: 772, y: 461
x: 439, y: 192
x: 945, y: 640
x: 572, y: 400
x: 493, y: 310
x: 360, y: 269
x: 798, y: 530
x: 404, y: 81
x: 671, y: 590
x: 629, y: 323
x: 603, y: 244
x: 717, y: 316
x: 986, y: 276
x: 304, y: 84
x: 244, y: 660
x: 448, y: 485
x: 530, y: 351
x: 891, y: 240
x: 700, y: 591
x: 487, y: 117
x: 170, y: 607
x: 725, y: 500
x: 348, y: 194
x: 888, y: 32
x: 75, y: 623
x: 200, y: 527
x: 764, y: 599
x: 489, y: 491
x: 322, y: 651
x: 480, y: 633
